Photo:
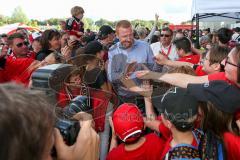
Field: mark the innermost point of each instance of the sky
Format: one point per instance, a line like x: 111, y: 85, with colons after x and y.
x: 174, y: 11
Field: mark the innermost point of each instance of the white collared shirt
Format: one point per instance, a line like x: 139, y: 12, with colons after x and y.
x: 157, y: 47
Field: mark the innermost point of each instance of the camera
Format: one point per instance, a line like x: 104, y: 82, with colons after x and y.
x: 69, y: 130
x: 78, y: 104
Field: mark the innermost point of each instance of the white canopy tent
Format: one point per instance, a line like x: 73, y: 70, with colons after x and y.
x: 214, y: 11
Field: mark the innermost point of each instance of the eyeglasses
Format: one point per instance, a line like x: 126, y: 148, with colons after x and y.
x: 21, y: 44
x: 165, y: 35
x: 227, y: 62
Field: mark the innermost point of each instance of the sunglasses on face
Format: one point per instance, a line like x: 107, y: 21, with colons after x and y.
x: 227, y: 62
x: 21, y: 44
x: 165, y: 35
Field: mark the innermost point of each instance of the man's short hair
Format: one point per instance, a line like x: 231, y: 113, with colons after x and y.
x: 183, y: 43
x: 26, y: 123
x: 123, y: 24
x: 168, y: 30
x: 224, y: 35
x: 13, y: 36
x: 76, y: 10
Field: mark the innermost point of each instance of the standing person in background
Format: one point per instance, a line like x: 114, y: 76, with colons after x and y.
x: 165, y: 45
x: 74, y: 24
x: 106, y: 36
x: 145, y: 34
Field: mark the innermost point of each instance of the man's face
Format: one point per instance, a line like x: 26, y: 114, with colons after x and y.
x: 125, y: 36
x: 19, y: 47
x: 231, y: 66
x: 166, y: 37
x: 111, y: 38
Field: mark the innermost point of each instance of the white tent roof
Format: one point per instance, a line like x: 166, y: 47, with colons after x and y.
x: 228, y: 8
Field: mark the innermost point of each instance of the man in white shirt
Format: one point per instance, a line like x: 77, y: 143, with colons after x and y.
x: 165, y: 45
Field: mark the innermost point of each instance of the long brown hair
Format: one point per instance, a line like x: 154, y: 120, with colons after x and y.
x: 217, y: 121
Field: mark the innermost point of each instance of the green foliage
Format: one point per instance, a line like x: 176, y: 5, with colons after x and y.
x: 5, y: 20
x: 101, y: 22
x: 19, y: 16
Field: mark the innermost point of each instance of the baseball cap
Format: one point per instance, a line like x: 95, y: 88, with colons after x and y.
x: 224, y: 96
x: 34, y: 36
x: 178, y: 107
x: 93, y: 47
x: 104, y: 31
x: 128, y: 122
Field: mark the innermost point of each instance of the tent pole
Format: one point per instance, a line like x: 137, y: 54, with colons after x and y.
x: 197, y: 31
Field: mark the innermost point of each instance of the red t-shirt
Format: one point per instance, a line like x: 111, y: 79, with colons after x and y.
x: 193, y: 58
x: 232, y: 145
x: 219, y: 76
x: 150, y: 150
x: 199, y: 71
x: 17, y: 69
x: 29, y: 55
x: 73, y: 26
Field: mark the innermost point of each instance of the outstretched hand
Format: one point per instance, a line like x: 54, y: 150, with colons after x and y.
x: 161, y: 59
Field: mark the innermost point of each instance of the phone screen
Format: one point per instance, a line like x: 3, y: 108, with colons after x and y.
x: 1, y: 47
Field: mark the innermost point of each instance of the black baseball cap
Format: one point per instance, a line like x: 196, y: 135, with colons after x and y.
x: 105, y: 30
x: 178, y: 106
x: 93, y: 47
x: 224, y: 96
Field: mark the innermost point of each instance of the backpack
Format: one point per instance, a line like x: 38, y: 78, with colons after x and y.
x: 186, y: 151
x: 209, y: 148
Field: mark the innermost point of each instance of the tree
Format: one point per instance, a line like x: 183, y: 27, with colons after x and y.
x: 5, y: 20
x: 19, y: 16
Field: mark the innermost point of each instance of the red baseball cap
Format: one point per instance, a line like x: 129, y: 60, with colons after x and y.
x: 128, y: 122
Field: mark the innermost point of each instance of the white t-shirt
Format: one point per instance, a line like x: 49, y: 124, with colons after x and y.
x: 171, y: 49
x: 235, y: 37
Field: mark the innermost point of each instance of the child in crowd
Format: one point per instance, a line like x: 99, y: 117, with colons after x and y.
x: 128, y: 125
x: 74, y: 24
x: 211, y: 63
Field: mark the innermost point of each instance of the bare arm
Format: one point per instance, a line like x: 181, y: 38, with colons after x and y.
x: 150, y: 120
x: 114, y: 142
x: 182, y: 80
x: 176, y: 79
x: 163, y: 60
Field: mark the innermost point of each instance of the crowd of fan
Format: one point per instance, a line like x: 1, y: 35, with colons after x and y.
x: 163, y: 98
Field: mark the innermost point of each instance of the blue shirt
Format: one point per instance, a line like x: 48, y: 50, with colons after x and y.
x: 119, y: 58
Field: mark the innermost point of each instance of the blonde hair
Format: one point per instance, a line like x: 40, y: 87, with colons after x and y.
x: 76, y: 10
x: 123, y: 24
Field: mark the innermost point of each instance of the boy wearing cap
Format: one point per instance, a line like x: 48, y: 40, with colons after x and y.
x: 128, y: 126
x: 179, y: 112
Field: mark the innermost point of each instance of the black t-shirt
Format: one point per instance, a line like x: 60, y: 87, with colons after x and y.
x: 95, y: 78
x: 43, y: 54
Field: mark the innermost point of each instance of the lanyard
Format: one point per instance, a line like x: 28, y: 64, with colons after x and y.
x: 169, y: 50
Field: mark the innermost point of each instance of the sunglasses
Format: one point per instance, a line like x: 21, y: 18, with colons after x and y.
x: 21, y: 44
x: 227, y: 62
x: 165, y: 35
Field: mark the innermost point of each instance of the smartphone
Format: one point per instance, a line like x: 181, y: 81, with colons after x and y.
x: 1, y: 47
